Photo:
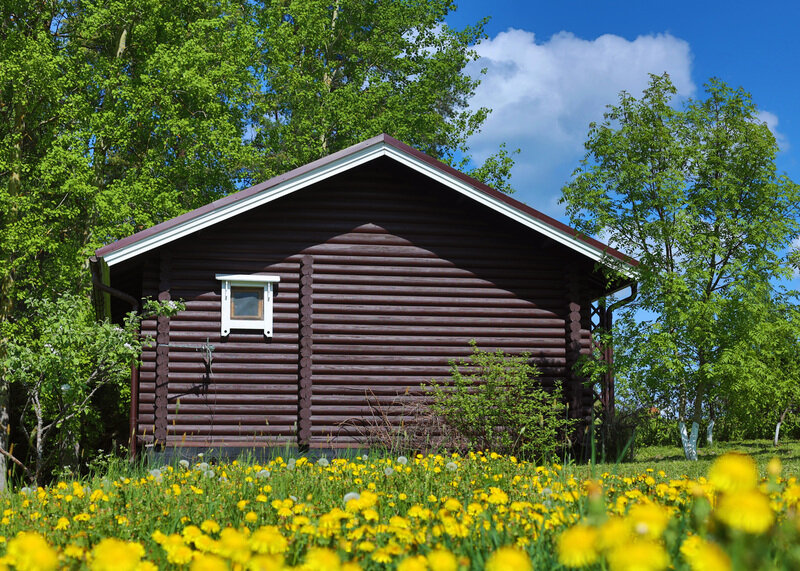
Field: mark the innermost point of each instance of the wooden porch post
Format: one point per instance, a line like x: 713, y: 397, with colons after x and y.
x: 306, y: 351
x: 162, y: 353
x: 574, y: 383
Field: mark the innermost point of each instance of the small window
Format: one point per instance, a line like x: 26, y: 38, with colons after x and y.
x: 246, y: 302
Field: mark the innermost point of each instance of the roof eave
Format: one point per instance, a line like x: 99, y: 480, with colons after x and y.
x: 329, y: 166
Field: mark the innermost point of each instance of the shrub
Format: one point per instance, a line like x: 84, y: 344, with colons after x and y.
x: 407, y: 425
x: 497, y: 402
x: 60, y: 371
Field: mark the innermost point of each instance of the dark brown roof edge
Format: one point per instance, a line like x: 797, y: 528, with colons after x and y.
x: 258, y: 188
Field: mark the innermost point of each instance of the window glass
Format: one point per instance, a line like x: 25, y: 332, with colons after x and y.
x: 247, y: 302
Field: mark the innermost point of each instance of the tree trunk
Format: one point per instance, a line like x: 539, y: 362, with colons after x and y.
x: 710, y: 432
x: 39, y: 436
x: 7, y: 287
x: 4, y: 433
x: 778, y: 426
x: 689, y: 441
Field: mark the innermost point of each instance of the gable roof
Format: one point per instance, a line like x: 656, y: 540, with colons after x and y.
x: 326, y: 167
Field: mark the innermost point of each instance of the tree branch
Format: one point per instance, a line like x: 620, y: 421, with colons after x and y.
x: 15, y: 460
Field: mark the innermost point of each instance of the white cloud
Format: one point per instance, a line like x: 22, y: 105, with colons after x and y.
x: 772, y: 122
x: 544, y: 95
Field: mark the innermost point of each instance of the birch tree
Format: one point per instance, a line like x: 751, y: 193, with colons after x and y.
x: 691, y: 190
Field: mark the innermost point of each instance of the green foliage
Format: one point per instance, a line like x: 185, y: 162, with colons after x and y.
x: 117, y: 115
x: 692, y: 191
x: 114, y: 116
x: 496, y: 402
x: 339, y: 72
x: 653, y: 429
x: 759, y: 369
x: 59, y: 371
x: 496, y: 170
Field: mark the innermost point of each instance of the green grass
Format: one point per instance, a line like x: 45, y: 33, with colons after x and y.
x: 671, y: 460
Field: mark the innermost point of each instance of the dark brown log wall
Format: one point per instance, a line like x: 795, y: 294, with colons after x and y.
x: 385, y: 278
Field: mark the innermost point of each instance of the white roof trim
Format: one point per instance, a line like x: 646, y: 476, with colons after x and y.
x: 333, y: 168
x: 248, y: 278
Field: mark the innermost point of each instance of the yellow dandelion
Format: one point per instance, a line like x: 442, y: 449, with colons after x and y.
x: 774, y: 467
x: 614, y: 532
x: 733, y: 472
x: 413, y: 563
x: 441, y: 560
x: 207, y: 544
x: 381, y: 555
x: 577, y: 546
x: 648, y: 520
x: 509, y: 559
x: 322, y: 559
x: 268, y: 539
x: 191, y: 533
x: 638, y: 556
x: 792, y: 494
x: 702, y: 555
x: 74, y: 551
x: 497, y: 496
x: 452, y: 505
x: 29, y: 551
x: 208, y: 562
x: 179, y: 555
x: 209, y: 526
x: 266, y: 563
x: 115, y: 554
x: 474, y: 508
x: 747, y: 511
x: 233, y: 540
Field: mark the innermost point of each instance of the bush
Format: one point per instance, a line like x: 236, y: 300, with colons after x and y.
x: 407, y: 425
x: 496, y: 402
x: 60, y: 374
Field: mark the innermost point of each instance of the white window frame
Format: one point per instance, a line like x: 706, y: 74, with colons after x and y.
x: 246, y: 280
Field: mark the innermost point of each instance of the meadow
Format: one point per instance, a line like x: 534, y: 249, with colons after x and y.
x: 437, y: 512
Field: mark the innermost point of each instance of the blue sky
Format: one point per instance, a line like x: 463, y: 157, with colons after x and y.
x: 553, y: 66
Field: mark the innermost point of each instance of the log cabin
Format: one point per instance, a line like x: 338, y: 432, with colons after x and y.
x: 335, y: 290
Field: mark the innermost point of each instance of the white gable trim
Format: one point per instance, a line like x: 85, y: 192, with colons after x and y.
x: 380, y: 149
